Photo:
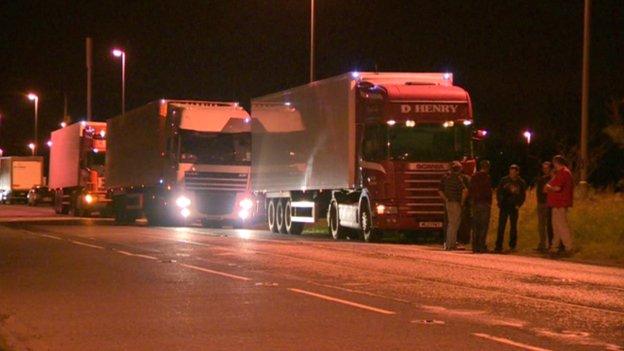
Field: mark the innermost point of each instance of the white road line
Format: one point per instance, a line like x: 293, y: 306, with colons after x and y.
x: 136, y: 255
x: 509, y: 342
x: 124, y: 252
x: 85, y: 244
x: 51, y: 236
x: 215, y: 272
x: 146, y: 256
x: 345, y: 302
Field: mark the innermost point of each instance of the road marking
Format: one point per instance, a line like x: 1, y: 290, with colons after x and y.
x: 509, y: 342
x: 52, y: 237
x: 124, y: 252
x: 136, y: 255
x: 146, y: 256
x: 345, y: 302
x: 85, y: 244
x: 233, y: 276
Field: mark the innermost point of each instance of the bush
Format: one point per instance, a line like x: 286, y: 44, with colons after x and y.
x: 597, y: 224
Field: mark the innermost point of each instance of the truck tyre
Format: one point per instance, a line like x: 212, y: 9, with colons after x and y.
x: 333, y: 222
x: 279, y: 216
x: 122, y: 215
x: 292, y: 228
x: 271, y: 218
x: 369, y: 234
x: 74, y: 207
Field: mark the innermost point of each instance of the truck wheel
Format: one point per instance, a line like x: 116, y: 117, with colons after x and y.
x: 74, y: 209
x: 369, y: 234
x: 271, y: 216
x: 122, y: 215
x: 333, y: 222
x: 279, y: 217
x: 295, y: 228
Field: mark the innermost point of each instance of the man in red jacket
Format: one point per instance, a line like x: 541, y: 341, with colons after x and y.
x: 560, y: 192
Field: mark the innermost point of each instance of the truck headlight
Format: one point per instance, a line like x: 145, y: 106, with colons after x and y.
x: 386, y: 210
x: 243, y: 214
x: 183, y: 201
x: 185, y: 212
x: 89, y: 198
x: 246, y: 204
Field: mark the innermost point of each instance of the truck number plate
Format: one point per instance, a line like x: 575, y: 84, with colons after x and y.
x: 430, y: 224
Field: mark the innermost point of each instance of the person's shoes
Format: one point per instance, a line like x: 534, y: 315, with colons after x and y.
x: 460, y: 247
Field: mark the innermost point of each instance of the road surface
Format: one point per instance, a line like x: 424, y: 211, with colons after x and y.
x: 78, y: 284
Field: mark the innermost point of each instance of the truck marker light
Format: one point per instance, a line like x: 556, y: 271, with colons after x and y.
x: 448, y: 124
x: 410, y: 123
x: 391, y: 122
x: 183, y: 201
x: 88, y: 198
x: 63, y: 124
x: 447, y: 76
x: 247, y: 119
x: 83, y: 123
x: 287, y: 103
x: 160, y: 181
x: 355, y: 74
x: 49, y: 143
x: 103, y: 133
x: 246, y: 204
x: 95, y: 151
x: 185, y: 212
x: 467, y: 122
x: 381, y: 209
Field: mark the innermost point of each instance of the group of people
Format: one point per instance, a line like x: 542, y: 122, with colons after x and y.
x: 554, y: 189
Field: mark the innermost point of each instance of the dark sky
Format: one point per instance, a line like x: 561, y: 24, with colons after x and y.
x: 520, y: 60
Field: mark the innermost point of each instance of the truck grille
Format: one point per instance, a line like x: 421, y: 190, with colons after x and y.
x: 215, y: 202
x: 421, y: 196
x: 216, y: 181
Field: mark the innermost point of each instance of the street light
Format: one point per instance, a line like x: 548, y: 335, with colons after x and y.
x: 31, y: 146
x: 122, y: 54
x: 35, y: 99
x: 527, y: 135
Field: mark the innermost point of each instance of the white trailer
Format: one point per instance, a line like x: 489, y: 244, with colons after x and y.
x: 17, y: 175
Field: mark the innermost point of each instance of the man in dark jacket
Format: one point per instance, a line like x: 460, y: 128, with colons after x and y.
x: 544, y: 215
x: 511, y: 194
x: 480, y: 194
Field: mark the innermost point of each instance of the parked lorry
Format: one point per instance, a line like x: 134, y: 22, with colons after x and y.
x: 364, y: 150
x: 77, y: 171
x: 178, y: 161
x: 17, y: 175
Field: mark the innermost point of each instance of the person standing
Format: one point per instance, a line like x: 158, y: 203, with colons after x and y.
x: 544, y: 213
x: 480, y: 195
x: 510, y: 195
x: 560, y: 192
x: 454, y: 192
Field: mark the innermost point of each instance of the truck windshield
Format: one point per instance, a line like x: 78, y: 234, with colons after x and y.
x: 215, y: 148
x: 424, y: 142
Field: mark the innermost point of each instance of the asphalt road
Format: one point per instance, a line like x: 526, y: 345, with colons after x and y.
x: 70, y: 284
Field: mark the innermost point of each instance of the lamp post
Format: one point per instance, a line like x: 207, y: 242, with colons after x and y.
x: 35, y: 99
x: 122, y: 54
x: 311, y: 40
